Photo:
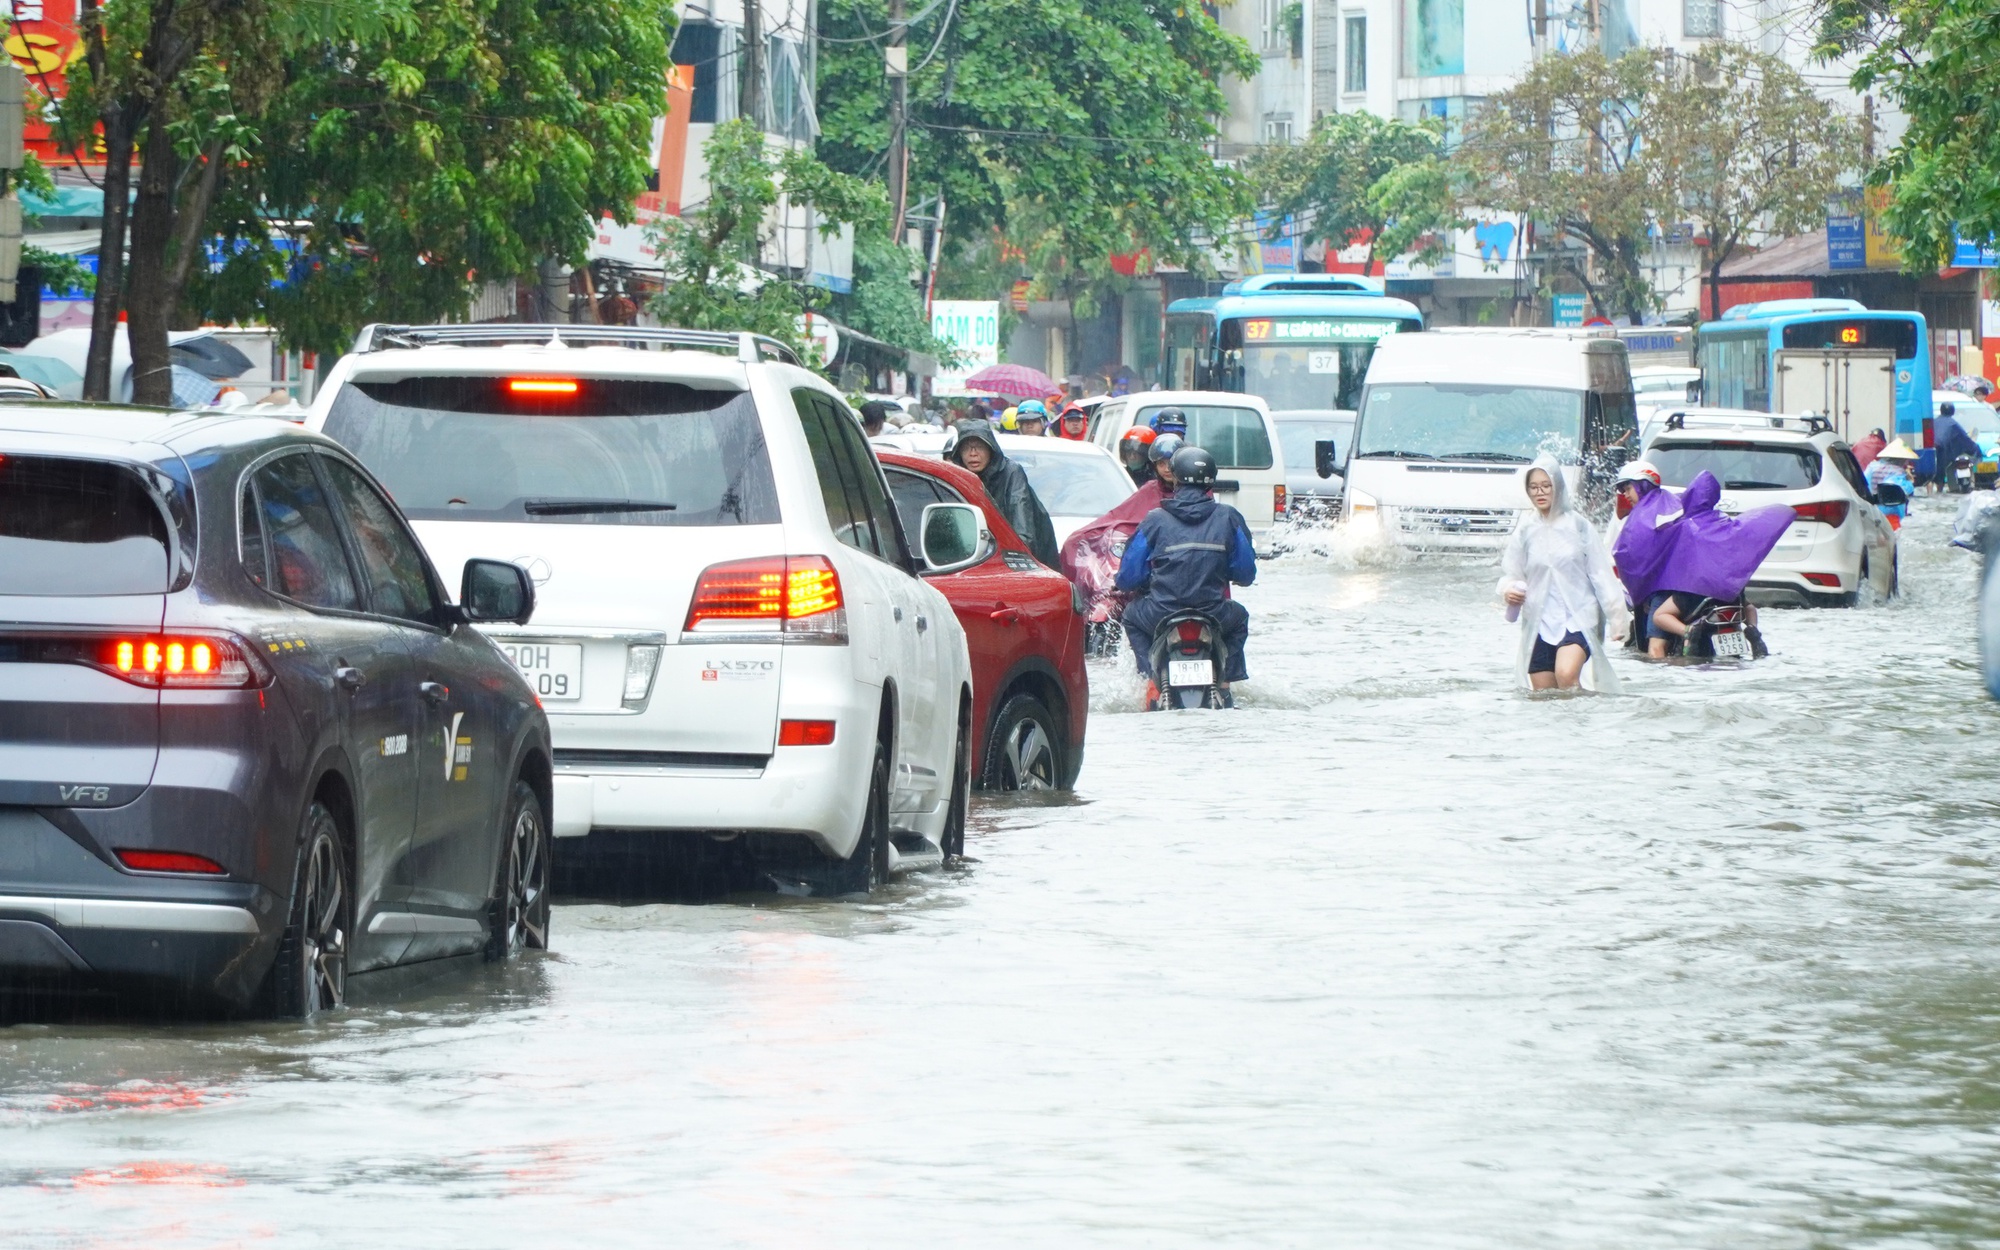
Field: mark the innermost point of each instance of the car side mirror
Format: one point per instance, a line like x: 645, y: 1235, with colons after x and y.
x: 954, y: 536
x: 1890, y: 495
x: 1326, y: 458
x: 494, y: 590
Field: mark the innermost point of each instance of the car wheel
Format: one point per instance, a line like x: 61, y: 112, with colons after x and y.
x: 1025, y: 749
x: 518, y: 917
x: 868, y: 865
x: 953, y: 842
x: 310, y: 975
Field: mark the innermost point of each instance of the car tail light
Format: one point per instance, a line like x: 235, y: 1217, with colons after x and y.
x: 805, y: 733
x: 178, y: 660
x: 1831, y: 511
x: 1824, y: 579
x: 542, y: 386
x: 169, y: 861
x: 1190, y: 631
x: 796, y: 598
x: 1278, y: 501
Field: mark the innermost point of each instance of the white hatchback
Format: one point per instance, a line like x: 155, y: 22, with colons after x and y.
x: 732, y: 636
x: 1839, y: 539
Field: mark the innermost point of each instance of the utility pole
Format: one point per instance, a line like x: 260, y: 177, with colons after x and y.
x: 1541, y: 28
x: 750, y: 86
x: 897, y: 61
x: 13, y: 112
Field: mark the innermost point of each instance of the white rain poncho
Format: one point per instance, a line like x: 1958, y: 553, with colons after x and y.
x: 1571, y: 585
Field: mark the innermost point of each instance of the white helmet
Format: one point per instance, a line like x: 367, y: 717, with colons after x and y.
x: 1639, y: 471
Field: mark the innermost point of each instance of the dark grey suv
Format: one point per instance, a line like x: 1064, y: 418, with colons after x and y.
x: 247, y: 744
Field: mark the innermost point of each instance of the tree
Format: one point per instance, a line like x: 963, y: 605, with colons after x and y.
x: 390, y: 174
x: 1934, y: 59
x: 1094, y: 116
x: 712, y: 282
x: 885, y: 302
x: 1569, y: 147
x: 1361, y: 177
x: 1744, y: 145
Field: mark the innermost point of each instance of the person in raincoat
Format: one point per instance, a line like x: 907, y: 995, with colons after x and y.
x: 1710, y: 555
x: 1075, y: 423
x: 979, y: 451
x: 1896, y: 466
x: 1868, y: 448
x: 1951, y: 442
x: 1556, y: 579
x: 1186, y: 553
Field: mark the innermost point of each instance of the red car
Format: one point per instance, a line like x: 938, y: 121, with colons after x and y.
x: 1024, y: 628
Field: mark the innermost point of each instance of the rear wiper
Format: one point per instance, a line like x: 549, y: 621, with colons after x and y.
x: 1395, y: 455
x: 1503, y: 457
x: 583, y: 507
x: 1756, y: 486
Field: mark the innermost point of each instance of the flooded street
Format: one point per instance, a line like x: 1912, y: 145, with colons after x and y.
x: 1392, y: 956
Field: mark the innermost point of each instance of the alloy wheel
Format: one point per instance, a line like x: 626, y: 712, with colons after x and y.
x: 527, y: 881
x: 1030, y: 758
x: 324, y: 928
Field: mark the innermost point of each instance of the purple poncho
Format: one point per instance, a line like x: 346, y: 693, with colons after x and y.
x: 1699, y: 551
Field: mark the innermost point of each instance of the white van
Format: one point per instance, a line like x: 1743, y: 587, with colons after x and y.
x: 1450, y: 420
x: 1236, y: 429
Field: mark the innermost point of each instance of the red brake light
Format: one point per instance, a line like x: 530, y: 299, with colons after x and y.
x: 1824, y: 579
x: 180, y: 660
x: 1831, y: 511
x: 805, y: 733
x: 541, y: 386
x: 1277, y: 503
x: 1190, y: 631
x: 795, y: 597
x: 169, y: 861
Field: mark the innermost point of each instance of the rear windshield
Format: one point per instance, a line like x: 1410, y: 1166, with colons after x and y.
x: 561, y: 451
x: 78, y: 527
x: 1234, y: 436
x: 1070, y: 485
x: 1739, y: 465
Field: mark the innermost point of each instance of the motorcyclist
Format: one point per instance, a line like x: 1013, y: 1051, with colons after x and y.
x: 1031, y: 418
x: 1184, y: 556
x: 1161, y: 453
x: 1074, y: 424
x: 1170, y: 421
x: 1951, y: 442
x: 1133, y: 451
x: 1870, y: 447
x: 979, y: 451
x: 1896, y: 466
x: 1636, y: 480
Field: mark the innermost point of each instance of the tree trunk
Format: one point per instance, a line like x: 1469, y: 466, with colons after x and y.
x: 188, y: 237
x: 146, y: 303
x: 104, y: 305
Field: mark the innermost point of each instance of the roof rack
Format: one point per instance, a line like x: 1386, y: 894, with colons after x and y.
x: 749, y: 348
x: 1810, y: 422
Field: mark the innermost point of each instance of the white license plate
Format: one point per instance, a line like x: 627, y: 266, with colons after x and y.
x: 1190, y: 673
x: 553, y: 669
x: 1734, y: 646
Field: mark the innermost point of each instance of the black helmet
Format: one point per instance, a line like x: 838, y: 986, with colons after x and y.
x: 1194, y: 467
x: 1170, y: 421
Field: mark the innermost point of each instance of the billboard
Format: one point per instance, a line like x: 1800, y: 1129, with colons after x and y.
x: 972, y: 326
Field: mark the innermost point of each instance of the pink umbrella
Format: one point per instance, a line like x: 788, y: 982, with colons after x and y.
x: 1016, y: 381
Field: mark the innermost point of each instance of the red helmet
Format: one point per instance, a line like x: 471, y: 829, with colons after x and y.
x: 1135, y: 445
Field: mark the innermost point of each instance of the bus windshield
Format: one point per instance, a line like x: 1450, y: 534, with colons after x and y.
x: 1501, y: 424
x: 1306, y: 377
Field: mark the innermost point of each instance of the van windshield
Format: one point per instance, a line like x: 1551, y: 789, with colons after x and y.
x: 562, y: 451
x: 1438, y: 421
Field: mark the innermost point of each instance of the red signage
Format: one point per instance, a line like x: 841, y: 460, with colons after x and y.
x: 43, y: 41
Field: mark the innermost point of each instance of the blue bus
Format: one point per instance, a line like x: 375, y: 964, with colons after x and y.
x: 1861, y: 368
x: 1299, y: 342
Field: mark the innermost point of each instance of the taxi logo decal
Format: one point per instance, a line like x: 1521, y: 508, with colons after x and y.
x: 451, y: 741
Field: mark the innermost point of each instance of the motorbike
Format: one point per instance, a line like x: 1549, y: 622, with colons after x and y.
x: 1188, y: 660
x: 1721, y: 630
x: 1961, y: 476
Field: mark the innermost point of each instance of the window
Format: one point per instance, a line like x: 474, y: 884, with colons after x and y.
x: 390, y: 559
x: 1433, y: 38
x: 1278, y: 128
x: 1701, y: 19
x: 914, y: 492
x: 1849, y: 468
x: 1234, y: 436
x: 698, y: 45
x: 78, y: 527
x: 850, y: 479
x: 1735, y: 371
x: 611, y: 452
x: 1874, y: 333
x: 1354, y: 76
x: 870, y: 493
x: 307, y: 561
x: 250, y: 537
x: 1073, y: 486
x: 1738, y: 465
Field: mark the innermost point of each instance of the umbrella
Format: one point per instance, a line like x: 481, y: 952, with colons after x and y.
x: 1014, y: 381
x: 210, y: 357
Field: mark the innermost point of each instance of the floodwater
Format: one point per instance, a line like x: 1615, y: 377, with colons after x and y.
x: 1391, y: 956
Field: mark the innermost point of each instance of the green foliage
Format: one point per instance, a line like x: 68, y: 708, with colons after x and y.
x: 1603, y: 151
x: 461, y: 142
x: 1936, y: 60
x: 1358, y: 176
x: 1093, y: 116
x: 884, y: 303
x: 712, y: 282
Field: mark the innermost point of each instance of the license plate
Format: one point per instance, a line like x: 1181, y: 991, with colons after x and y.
x: 1190, y: 673
x: 1732, y: 646
x: 553, y: 669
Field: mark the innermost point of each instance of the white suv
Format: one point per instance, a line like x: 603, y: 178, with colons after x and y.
x: 1839, y: 539
x: 732, y: 635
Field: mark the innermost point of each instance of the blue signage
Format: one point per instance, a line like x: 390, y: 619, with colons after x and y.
x: 1846, y: 235
x: 1568, y: 309
x: 1966, y: 254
